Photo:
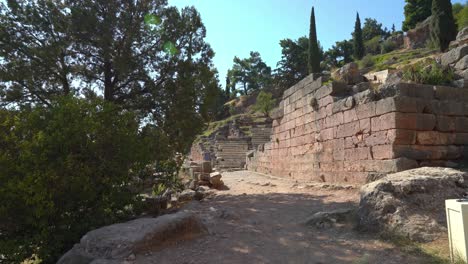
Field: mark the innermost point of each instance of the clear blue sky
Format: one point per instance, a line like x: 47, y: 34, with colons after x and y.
x: 236, y: 27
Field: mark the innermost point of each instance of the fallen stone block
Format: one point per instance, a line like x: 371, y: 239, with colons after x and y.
x: 119, y: 241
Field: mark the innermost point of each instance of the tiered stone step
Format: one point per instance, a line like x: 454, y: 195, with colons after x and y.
x: 230, y: 153
x: 260, y: 135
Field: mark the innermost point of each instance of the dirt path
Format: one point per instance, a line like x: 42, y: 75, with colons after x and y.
x: 260, y: 220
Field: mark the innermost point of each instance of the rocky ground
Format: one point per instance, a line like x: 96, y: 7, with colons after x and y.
x: 261, y: 219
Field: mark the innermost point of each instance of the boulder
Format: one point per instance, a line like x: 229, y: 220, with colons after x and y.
x: 348, y: 74
x: 462, y: 38
x: 116, y: 243
x: 215, y: 180
x: 187, y: 195
x: 454, y: 55
x: 462, y: 64
x: 411, y: 203
x: 417, y: 38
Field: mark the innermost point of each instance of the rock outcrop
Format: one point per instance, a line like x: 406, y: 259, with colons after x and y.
x: 462, y: 38
x: 120, y: 242
x: 411, y: 203
x: 348, y: 74
x: 418, y: 37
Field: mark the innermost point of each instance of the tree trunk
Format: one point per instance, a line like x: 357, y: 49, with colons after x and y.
x: 108, y: 85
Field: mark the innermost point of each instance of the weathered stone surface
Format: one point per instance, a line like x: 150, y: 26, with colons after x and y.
x: 348, y: 74
x: 187, y: 195
x: 411, y: 203
x: 119, y: 241
x: 343, y: 105
x: 462, y: 38
x: 361, y: 87
x: 277, y: 113
x: 462, y: 64
x: 330, y: 218
x: 454, y: 55
x: 418, y: 37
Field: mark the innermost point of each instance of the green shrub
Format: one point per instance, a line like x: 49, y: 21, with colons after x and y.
x: 64, y: 171
x: 373, y: 45
x: 367, y: 61
x: 429, y: 73
x: 388, y: 46
x: 265, y: 103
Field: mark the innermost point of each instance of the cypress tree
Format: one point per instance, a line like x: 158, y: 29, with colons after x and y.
x: 358, y: 42
x: 314, y: 52
x: 443, y: 26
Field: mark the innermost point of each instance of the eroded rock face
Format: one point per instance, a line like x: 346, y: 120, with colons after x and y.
x: 454, y: 55
x: 418, y: 37
x: 120, y: 241
x: 348, y: 74
x: 411, y: 203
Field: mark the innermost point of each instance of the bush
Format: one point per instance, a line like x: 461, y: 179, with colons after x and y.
x: 64, y: 171
x: 265, y: 103
x: 429, y: 73
x: 373, y: 45
x: 367, y: 61
x: 388, y: 46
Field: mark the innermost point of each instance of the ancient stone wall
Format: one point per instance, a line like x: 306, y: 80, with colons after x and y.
x: 332, y: 132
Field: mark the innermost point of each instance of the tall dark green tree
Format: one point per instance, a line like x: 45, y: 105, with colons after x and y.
x: 416, y: 11
x: 443, y: 26
x: 314, y: 51
x: 358, y: 42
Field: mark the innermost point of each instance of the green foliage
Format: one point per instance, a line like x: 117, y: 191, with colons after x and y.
x: 65, y: 170
x: 294, y: 60
x: 265, y: 103
x: 460, y: 13
x: 358, y: 41
x: 388, y: 46
x: 251, y: 74
x: 314, y: 51
x: 429, y: 73
x: 57, y: 48
x: 416, y: 11
x: 367, y: 61
x: 339, y: 54
x: 372, y: 29
x: 372, y: 46
x: 443, y: 27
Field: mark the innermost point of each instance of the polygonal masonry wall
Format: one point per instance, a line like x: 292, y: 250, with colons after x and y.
x: 332, y: 132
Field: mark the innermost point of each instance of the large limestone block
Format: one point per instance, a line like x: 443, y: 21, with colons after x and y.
x: 348, y: 74
x: 411, y: 203
x: 119, y: 241
x: 454, y: 55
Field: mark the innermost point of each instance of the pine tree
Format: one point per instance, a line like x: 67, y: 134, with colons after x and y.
x: 314, y: 52
x: 416, y: 11
x: 393, y: 28
x: 443, y: 26
x: 358, y: 43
